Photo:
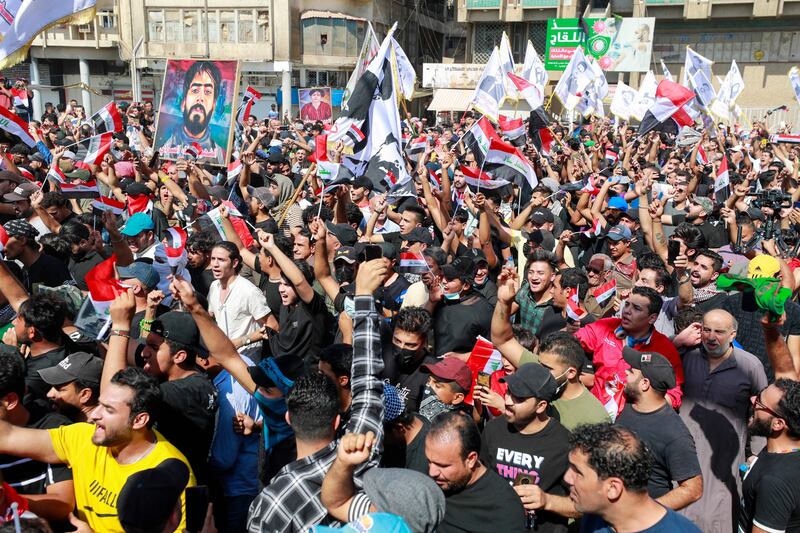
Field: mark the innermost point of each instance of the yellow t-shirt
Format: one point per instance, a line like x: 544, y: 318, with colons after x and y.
x: 98, y: 476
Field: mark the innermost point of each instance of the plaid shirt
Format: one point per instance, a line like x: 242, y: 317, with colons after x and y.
x: 530, y: 312
x: 291, y: 501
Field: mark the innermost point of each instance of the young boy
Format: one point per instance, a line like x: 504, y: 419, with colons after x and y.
x: 449, y: 383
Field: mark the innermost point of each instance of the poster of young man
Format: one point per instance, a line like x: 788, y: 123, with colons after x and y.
x: 315, y: 104
x: 197, y: 107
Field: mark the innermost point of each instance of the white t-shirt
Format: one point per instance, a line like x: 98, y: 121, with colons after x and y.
x: 238, y: 315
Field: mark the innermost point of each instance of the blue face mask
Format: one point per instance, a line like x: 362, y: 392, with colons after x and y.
x: 274, y: 406
x: 452, y: 296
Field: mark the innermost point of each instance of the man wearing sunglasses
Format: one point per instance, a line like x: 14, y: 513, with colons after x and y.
x: 770, y: 491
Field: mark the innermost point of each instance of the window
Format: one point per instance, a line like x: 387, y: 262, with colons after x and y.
x: 262, y: 23
x: 487, y: 36
x: 191, y: 26
x: 227, y: 26
x: 332, y: 36
x: 213, y: 28
x: 155, y: 25
x: 172, y: 26
x: 106, y: 19
x: 246, y: 31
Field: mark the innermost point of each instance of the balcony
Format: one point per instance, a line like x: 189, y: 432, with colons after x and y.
x: 539, y: 3
x: 484, y: 4
x: 102, y: 32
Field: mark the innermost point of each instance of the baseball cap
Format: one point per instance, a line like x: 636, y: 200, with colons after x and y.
x: 344, y: 232
x: 389, y: 250
x: 451, y: 369
x: 138, y: 223
x: 756, y: 214
x: 363, y: 181
x: 763, y: 266
x: 69, y: 154
x: 37, y: 157
x: 532, y: 380
x: 144, y: 272
x: 346, y: 254
x: 149, y: 497
x: 180, y: 327
x: 23, y: 191
x: 418, y: 235
x: 542, y: 215
x: 619, y: 233
x: 275, y: 155
x: 461, y: 268
x: 135, y: 189
x: 654, y: 367
x: 705, y: 203
x: 7, y: 175
x: 79, y: 174
x: 76, y: 366
x: 477, y: 255
x: 218, y: 191
x: 21, y: 228
x: 263, y: 195
x: 617, y: 202
x: 543, y: 238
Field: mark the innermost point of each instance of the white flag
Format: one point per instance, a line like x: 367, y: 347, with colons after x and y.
x: 490, y: 90
x: 406, y: 76
x: 507, y: 66
x: 693, y: 63
x: 646, y: 96
x: 729, y: 90
x: 369, y: 48
x: 533, y: 69
x: 624, y: 99
x: 575, y: 78
x: 703, y: 89
x: 667, y: 73
x: 794, y: 80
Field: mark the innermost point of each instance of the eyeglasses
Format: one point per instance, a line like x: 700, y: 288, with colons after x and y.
x: 758, y: 404
x: 591, y: 270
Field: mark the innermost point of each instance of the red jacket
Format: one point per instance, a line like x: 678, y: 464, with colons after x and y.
x: 599, y: 339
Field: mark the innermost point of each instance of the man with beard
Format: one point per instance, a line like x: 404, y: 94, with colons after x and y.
x: 201, y: 85
x: 409, y: 351
x: 22, y: 246
x: 720, y: 380
x: 649, y: 378
x: 700, y: 209
x: 476, y: 496
x: 702, y: 276
x: 102, y: 455
x: 74, y: 385
x: 527, y: 441
x: 770, y: 492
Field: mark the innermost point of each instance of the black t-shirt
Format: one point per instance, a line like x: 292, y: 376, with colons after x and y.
x: 201, y: 280
x: 32, y: 477
x: 411, y: 455
x: 542, y: 455
x: 715, y: 234
x: 137, y: 318
x: 457, y: 325
x: 671, y: 446
x: 48, y: 271
x: 268, y: 287
x: 186, y: 418
x: 394, y: 293
x: 489, y: 504
x: 36, y: 389
x: 80, y: 266
x: 771, y: 493
x: 304, y: 330
x: 410, y: 382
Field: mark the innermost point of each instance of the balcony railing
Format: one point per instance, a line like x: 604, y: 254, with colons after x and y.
x: 101, y: 32
x: 483, y: 4
x: 539, y: 3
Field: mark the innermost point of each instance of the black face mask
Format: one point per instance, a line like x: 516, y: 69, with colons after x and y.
x: 404, y: 356
x: 344, y: 273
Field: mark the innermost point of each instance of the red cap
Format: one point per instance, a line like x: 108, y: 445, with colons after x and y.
x: 451, y: 369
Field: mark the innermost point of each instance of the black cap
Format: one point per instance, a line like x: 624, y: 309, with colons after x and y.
x: 149, y: 497
x: 532, y: 380
x: 418, y: 234
x: 389, y: 250
x: 542, y: 215
x: 654, y: 367
x: 136, y: 189
x: 461, y: 268
x: 363, y: 181
x: 346, y: 254
x: 477, y: 255
x: 344, y: 232
x: 180, y: 327
x: 76, y: 366
x: 543, y: 238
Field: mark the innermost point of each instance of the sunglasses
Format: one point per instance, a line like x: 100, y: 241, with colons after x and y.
x: 758, y: 404
x: 591, y: 270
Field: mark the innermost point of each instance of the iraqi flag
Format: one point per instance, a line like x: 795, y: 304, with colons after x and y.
x: 234, y: 169
x: 702, y: 158
x: 139, y: 203
x: 103, y: 285
x: 175, y: 245
x: 595, y: 231
x: 56, y: 175
x: 539, y: 132
x: 107, y: 119
x: 320, y: 149
x: 513, y: 129
x: 574, y: 310
x: 590, y: 186
x: 412, y: 263
x: 417, y: 147
x: 87, y: 189
x: 109, y: 204
x: 20, y: 95
x: 670, y: 98
x: 605, y: 291
x: 509, y: 156
x: 14, y: 125
x: 529, y: 91
x: 3, y: 239
x: 478, y: 138
x: 27, y: 174
x: 480, y: 179
x: 612, y: 156
x: 787, y: 139
x: 346, y: 130
x: 194, y: 150
x: 96, y: 148
x: 249, y: 97
x: 722, y: 183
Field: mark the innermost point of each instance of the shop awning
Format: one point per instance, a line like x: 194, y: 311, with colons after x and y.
x: 451, y: 99
x: 314, y: 13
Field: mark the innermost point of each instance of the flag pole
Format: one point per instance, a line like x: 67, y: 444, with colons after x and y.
x: 293, y: 199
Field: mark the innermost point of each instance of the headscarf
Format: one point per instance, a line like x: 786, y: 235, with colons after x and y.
x: 285, y: 192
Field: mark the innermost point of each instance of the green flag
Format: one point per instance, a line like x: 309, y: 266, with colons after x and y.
x: 769, y: 294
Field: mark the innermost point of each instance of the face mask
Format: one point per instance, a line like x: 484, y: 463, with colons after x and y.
x: 345, y: 273
x: 481, y: 285
x: 431, y: 405
x: 452, y: 296
x: 274, y: 406
x: 561, y: 385
x: 404, y: 356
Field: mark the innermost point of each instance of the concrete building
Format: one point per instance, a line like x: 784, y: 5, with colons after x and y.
x: 760, y: 35
x: 281, y: 44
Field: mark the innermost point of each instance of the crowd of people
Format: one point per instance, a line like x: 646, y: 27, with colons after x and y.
x: 311, y: 359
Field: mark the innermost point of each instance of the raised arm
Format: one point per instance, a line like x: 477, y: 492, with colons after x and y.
x: 322, y: 270
x: 287, y: 266
x: 777, y: 350
x: 502, y: 335
x: 11, y: 288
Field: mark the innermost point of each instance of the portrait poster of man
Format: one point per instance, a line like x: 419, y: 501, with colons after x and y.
x: 197, y: 107
x: 315, y: 104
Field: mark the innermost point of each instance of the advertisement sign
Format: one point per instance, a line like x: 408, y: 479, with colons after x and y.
x: 619, y: 44
x: 197, y: 107
x: 315, y: 104
x: 451, y: 75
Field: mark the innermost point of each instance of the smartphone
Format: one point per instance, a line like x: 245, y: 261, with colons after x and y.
x: 796, y: 205
x: 673, y: 250
x: 524, y: 479
x: 370, y: 252
x: 196, y: 507
x: 484, y: 380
